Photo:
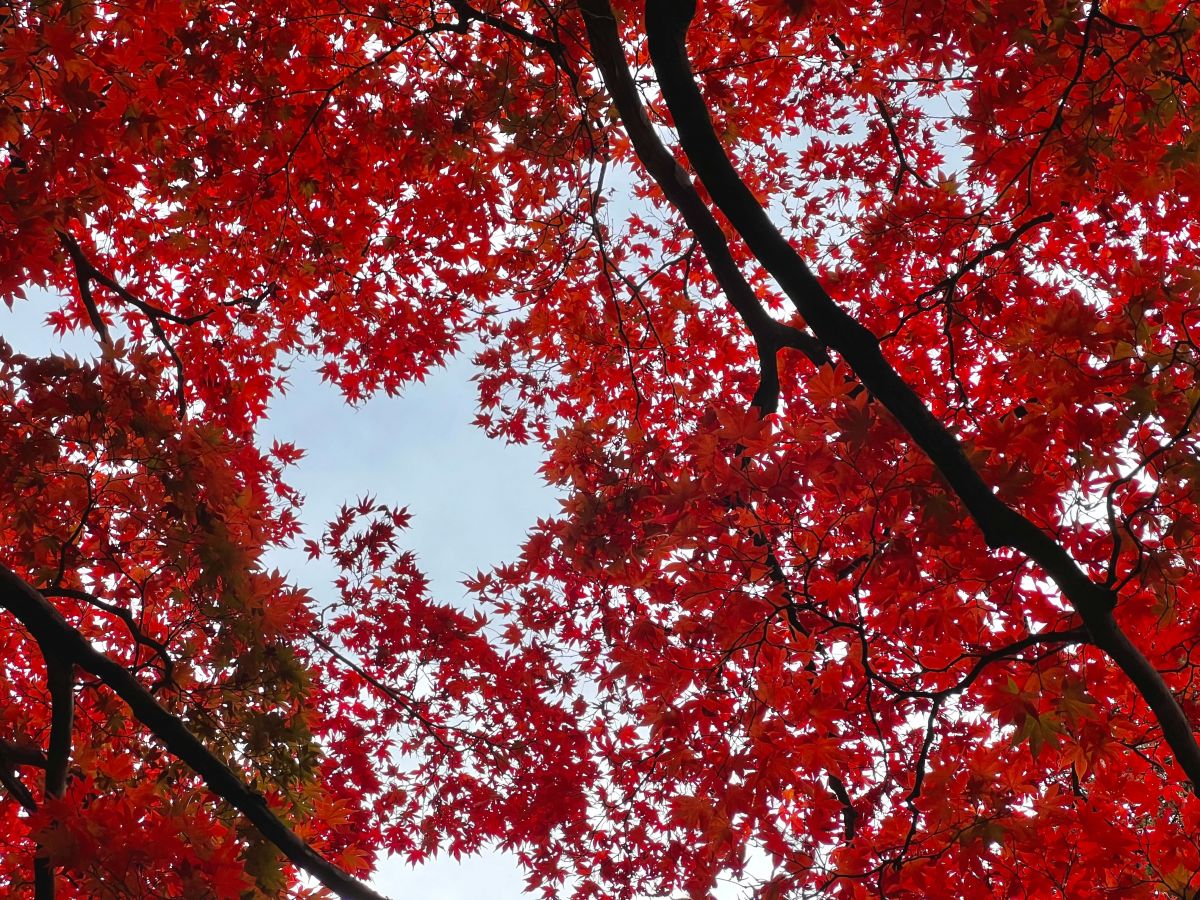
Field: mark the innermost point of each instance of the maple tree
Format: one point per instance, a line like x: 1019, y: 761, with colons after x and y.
x: 858, y: 339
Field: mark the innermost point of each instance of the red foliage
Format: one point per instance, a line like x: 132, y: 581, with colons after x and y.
x: 766, y: 642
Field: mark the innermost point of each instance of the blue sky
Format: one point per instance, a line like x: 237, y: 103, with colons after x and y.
x: 472, y: 500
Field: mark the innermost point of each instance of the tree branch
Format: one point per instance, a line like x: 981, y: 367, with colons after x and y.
x: 14, y: 786
x: 22, y: 755
x: 60, y: 679
x: 58, y: 639
x: 86, y: 272
x: 667, y: 22
x: 555, y: 49
x: 83, y: 278
x: 769, y: 335
x: 11, y: 756
x: 849, y: 813
x: 125, y: 616
x: 950, y: 282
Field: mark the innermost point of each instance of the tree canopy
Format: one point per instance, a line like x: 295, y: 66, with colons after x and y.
x: 858, y: 339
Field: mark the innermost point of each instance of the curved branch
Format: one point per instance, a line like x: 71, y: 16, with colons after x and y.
x: 14, y: 785
x: 86, y: 272
x: 11, y: 756
x: 667, y: 22
x: 769, y: 335
x: 125, y: 616
x: 1066, y: 637
x: 58, y: 639
x: 83, y: 278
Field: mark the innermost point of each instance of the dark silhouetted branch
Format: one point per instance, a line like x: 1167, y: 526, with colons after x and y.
x: 667, y: 22
x: 60, y: 641
x: 769, y: 335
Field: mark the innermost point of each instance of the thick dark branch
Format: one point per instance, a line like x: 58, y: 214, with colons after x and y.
x: 61, y: 681
x: 667, y: 23
x: 59, y: 639
x: 21, y: 755
x: 769, y: 335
